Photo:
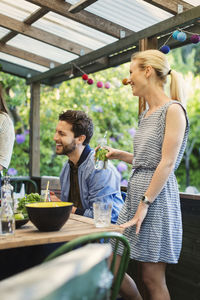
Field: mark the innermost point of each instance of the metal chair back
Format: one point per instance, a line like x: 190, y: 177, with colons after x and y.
x: 103, y: 237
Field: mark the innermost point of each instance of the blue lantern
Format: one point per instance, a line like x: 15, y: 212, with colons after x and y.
x: 181, y: 36
x: 165, y: 49
x: 175, y: 33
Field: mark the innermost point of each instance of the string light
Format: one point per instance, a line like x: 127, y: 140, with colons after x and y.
x: 89, y: 80
x: 180, y: 35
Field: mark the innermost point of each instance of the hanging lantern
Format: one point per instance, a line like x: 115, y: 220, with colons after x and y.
x: 181, y: 36
x: 165, y: 49
x: 175, y: 33
x: 107, y: 85
x: 85, y: 77
x: 90, y: 81
x: 195, y: 38
x: 99, y: 84
x: 125, y: 81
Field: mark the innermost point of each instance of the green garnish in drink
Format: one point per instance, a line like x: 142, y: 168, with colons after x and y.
x: 100, y: 157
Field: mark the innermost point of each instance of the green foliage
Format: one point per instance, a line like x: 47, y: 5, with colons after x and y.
x: 192, y: 153
x: 182, y: 61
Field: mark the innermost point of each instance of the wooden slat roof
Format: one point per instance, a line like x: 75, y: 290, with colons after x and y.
x: 43, y: 40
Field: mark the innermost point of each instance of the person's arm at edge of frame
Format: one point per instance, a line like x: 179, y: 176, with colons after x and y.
x: 174, y: 133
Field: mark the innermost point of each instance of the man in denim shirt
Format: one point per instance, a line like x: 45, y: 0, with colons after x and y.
x: 80, y: 182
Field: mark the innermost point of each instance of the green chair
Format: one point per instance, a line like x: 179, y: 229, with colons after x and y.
x: 30, y: 185
x: 104, y: 237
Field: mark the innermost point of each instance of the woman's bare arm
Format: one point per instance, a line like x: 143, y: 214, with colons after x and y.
x: 119, y: 154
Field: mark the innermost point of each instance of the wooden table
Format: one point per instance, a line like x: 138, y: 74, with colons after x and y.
x: 29, y: 247
x: 76, y: 226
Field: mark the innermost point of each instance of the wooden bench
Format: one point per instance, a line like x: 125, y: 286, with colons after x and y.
x: 76, y: 275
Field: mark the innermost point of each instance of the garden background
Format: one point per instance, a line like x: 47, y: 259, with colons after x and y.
x: 112, y: 109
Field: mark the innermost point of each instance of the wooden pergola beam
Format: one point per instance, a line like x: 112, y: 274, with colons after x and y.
x: 80, y: 6
x: 30, y: 20
x: 39, y: 13
x: 170, y: 6
x: 84, y: 17
x: 41, y: 35
x: 183, y: 19
x: 28, y: 56
x: 17, y: 70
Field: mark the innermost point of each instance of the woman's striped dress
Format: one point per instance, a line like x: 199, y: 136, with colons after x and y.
x: 160, y: 237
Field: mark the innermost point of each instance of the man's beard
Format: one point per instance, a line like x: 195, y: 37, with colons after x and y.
x: 68, y: 149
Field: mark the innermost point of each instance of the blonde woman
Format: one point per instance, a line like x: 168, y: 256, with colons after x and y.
x: 7, y: 135
x: 151, y: 215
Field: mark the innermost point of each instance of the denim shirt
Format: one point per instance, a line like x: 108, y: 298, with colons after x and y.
x: 94, y: 184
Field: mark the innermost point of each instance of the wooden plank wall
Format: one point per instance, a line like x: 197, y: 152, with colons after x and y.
x: 184, y: 278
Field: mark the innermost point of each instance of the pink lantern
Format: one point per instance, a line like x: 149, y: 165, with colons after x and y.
x: 99, y: 84
x: 107, y: 85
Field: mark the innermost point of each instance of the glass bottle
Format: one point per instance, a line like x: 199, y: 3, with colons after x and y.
x: 101, y: 160
x: 7, y: 208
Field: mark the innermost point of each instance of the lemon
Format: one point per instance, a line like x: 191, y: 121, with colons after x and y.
x: 19, y: 216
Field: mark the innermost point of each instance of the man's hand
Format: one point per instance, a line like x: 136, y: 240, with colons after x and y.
x: 138, y: 218
x: 74, y: 209
x: 53, y: 197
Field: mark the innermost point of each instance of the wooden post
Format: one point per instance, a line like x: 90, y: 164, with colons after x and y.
x: 34, y: 168
x: 145, y: 44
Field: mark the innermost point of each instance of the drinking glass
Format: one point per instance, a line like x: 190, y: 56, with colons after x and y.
x: 43, y: 195
x: 102, y: 213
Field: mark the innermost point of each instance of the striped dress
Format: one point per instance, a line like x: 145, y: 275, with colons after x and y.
x: 160, y: 236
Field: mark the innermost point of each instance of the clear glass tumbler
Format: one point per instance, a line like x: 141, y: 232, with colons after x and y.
x: 102, y: 213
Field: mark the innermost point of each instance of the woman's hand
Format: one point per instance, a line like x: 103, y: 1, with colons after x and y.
x: 112, y: 153
x: 138, y: 218
x: 118, y: 154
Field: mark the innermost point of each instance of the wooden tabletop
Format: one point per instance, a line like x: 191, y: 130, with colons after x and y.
x: 76, y: 226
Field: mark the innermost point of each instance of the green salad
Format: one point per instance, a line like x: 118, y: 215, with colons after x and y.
x: 21, y: 212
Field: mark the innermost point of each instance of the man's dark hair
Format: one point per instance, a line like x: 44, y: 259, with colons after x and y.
x: 81, y: 123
